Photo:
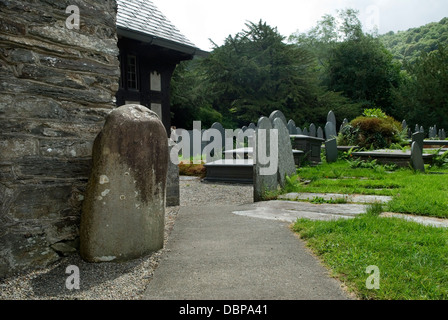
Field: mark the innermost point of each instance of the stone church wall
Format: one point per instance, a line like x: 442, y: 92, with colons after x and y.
x: 57, y: 84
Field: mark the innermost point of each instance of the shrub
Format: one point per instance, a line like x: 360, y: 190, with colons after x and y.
x: 373, y: 130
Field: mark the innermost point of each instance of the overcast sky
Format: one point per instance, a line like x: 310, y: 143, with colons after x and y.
x: 200, y: 20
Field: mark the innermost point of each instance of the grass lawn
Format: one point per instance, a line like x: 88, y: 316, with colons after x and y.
x: 412, y: 259
x: 414, y: 193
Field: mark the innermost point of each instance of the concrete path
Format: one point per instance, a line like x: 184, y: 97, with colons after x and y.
x: 215, y: 254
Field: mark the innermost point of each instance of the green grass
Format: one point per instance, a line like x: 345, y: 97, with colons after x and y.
x: 412, y: 259
x: 412, y: 192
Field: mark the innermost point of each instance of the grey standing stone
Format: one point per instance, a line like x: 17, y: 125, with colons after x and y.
x: 331, y: 150
x: 218, y: 126
x: 252, y: 126
x: 278, y: 114
x: 286, y: 164
x: 332, y: 118
x: 292, y: 127
x: 422, y: 130
x: 263, y: 183
x: 299, y: 131
x: 305, y: 132
x: 417, y: 128
x: 417, y: 158
x: 404, y: 125
x: 320, y: 133
x: 313, y: 131
x: 172, y: 181
x: 419, y: 138
x: 124, y: 208
x: 443, y: 135
x: 330, y: 131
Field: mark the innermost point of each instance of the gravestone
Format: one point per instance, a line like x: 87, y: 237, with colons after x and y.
x: 172, y: 180
x: 263, y: 182
x: 331, y: 150
x: 404, y: 125
x: 305, y: 132
x: 422, y: 130
x: 252, y: 126
x: 416, y: 157
x: 286, y: 164
x: 292, y: 127
x: 313, y: 132
x: 278, y: 114
x: 320, y: 133
x: 123, y: 213
x: 299, y: 131
x: 417, y: 128
x: 419, y: 138
x: 330, y: 131
x: 331, y: 118
x: 443, y: 135
x: 218, y: 126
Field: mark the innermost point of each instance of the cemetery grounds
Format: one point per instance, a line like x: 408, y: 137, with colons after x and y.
x: 412, y: 258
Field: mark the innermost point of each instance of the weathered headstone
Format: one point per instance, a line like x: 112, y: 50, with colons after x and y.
x: 172, y: 180
x: 218, y: 126
x: 263, y: 182
x: 404, y: 125
x: 443, y: 135
x: 278, y: 114
x: 252, y: 126
x: 417, y: 128
x: 419, y: 138
x: 416, y: 157
x: 320, y: 133
x: 292, y: 127
x: 305, y: 132
x: 330, y: 131
x: 313, y: 131
x: 299, y: 130
x: 422, y: 130
x: 332, y: 118
x: 124, y: 207
x: 286, y: 164
x: 331, y: 150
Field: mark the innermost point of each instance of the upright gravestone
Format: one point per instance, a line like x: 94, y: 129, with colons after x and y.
x: 417, y: 128
x: 417, y: 158
x: 422, y: 130
x: 278, y: 114
x: 123, y: 213
x: 443, y: 135
x: 330, y: 131
x: 332, y: 118
x: 331, y: 150
x: 286, y: 164
x: 313, y: 131
x: 292, y: 127
x: 252, y: 126
x: 218, y: 126
x: 404, y: 125
x: 419, y: 137
x: 265, y: 177
x: 299, y: 131
x: 320, y: 133
x: 305, y: 132
x: 172, y: 180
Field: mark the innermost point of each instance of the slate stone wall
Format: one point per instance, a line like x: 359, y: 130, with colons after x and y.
x: 56, y: 87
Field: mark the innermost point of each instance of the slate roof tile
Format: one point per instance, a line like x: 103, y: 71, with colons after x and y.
x: 143, y: 16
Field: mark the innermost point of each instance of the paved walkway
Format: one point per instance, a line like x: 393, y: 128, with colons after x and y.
x: 216, y: 254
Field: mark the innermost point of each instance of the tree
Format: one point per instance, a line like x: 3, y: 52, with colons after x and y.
x: 364, y: 71
x: 255, y: 72
x: 423, y: 97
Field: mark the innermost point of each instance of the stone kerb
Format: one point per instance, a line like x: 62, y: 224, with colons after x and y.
x: 124, y: 209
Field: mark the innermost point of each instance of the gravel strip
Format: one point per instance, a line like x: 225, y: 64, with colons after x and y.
x: 117, y: 281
